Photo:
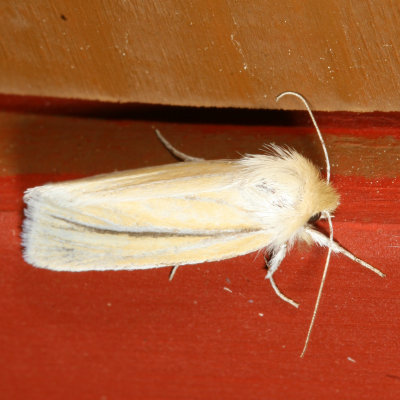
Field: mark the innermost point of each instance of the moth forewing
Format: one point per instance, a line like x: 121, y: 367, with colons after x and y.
x: 128, y: 221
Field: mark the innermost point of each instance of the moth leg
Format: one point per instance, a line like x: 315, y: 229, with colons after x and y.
x: 275, y: 260
x: 322, y: 240
x: 273, y: 265
x: 178, y: 154
x: 172, y: 273
x: 281, y: 295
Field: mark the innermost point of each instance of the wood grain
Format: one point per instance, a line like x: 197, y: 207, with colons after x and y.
x: 119, y: 335
x: 343, y: 55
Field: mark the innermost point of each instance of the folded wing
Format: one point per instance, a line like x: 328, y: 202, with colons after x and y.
x: 174, y: 214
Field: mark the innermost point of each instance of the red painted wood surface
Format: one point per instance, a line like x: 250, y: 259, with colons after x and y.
x: 217, y: 330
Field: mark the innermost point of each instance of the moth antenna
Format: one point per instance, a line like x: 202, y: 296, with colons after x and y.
x: 178, y: 154
x: 305, y: 102
x: 327, y: 215
x: 321, y: 286
x: 173, y: 270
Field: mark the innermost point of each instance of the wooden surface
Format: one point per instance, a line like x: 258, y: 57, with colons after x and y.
x: 217, y: 330
x: 343, y: 55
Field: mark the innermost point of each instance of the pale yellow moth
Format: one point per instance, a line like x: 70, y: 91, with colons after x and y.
x: 183, y: 213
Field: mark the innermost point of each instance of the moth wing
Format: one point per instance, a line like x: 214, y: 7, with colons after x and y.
x: 83, y: 251
x: 197, y: 197
x: 170, y: 215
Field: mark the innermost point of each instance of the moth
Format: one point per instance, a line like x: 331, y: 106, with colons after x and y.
x: 182, y: 213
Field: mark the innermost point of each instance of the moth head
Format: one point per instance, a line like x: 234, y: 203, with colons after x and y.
x: 318, y: 196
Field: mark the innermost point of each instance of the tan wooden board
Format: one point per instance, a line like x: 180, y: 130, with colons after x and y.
x: 342, y: 55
